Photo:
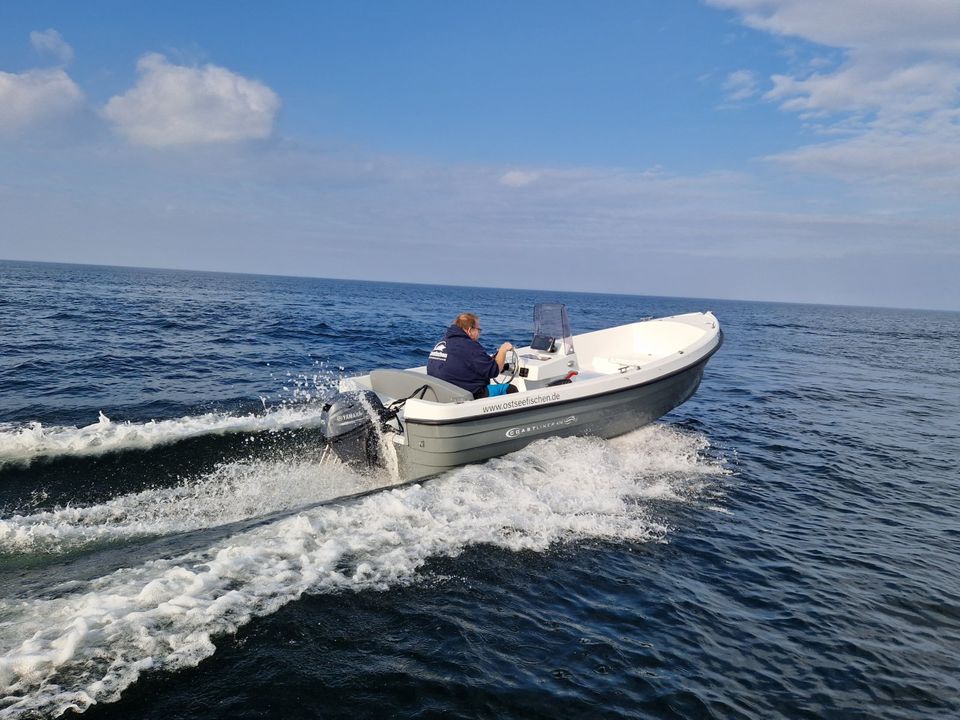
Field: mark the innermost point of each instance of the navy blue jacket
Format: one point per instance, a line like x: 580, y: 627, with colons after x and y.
x: 462, y: 361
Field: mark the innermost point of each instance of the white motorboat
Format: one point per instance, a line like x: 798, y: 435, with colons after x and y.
x: 603, y: 383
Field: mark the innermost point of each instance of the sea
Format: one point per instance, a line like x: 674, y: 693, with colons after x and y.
x: 174, y: 542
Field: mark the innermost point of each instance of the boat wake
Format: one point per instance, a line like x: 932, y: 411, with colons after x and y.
x: 234, y: 491
x: 85, y: 642
x: 21, y: 445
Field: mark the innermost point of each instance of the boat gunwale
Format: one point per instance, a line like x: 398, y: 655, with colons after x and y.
x: 558, y: 403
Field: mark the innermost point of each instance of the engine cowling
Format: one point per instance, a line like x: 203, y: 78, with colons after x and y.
x: 351, y: 424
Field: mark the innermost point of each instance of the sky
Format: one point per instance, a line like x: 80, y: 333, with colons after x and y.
x: 786, y: 150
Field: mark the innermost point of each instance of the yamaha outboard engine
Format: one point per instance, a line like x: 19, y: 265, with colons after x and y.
x: 351, y: 423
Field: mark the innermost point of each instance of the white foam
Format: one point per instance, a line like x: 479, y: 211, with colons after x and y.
x: 86, y: 647
x: 22, y: 444
x: 232, y: 492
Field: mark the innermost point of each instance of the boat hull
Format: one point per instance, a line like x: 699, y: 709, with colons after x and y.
x: 436, y: 446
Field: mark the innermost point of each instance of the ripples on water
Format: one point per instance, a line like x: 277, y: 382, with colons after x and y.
x: 783, y: 545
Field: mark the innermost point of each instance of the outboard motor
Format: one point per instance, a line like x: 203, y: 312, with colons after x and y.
x: 351, y: 424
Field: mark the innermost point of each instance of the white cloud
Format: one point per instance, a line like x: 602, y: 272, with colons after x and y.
x: 519, y: 178
x: 740, y: 85
x: 871, y: 86
x: 178, y: 105
x: 50, y: 42
x: 915, y: 163
x: 895, y: 96
x: 35, y: 96
x: 894, y: 25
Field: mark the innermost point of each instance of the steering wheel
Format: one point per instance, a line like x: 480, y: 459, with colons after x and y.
x: 513, y: 362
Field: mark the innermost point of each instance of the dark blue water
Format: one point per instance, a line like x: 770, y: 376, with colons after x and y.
x: 785, y: 544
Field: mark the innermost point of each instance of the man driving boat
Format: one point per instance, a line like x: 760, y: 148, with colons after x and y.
x: 459, y: 358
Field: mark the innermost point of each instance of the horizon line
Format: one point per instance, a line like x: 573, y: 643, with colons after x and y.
x: 470, y: 287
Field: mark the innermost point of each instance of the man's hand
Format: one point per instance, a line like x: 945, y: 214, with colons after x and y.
x: 501, y: 356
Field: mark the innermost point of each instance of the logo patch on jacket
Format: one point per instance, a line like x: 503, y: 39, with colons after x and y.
x: 440, y: 351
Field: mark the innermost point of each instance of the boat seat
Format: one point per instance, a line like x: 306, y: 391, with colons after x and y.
x: 398, y: 384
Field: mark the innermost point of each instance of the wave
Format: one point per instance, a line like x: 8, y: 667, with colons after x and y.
x: 232, y: 492
x: 87, y: 644
x: 21, y: 445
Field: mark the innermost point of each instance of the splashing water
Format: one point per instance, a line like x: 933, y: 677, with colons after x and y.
x: 21, y: 445
x: 232, y: 492
x: 85, y: 646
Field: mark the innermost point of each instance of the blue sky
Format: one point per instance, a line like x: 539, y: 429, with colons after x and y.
x: 799, y: 150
